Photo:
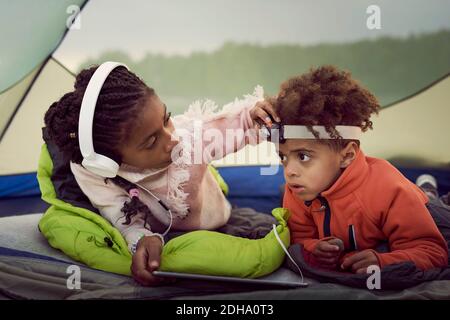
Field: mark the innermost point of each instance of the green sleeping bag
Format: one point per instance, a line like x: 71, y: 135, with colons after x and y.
x: 89, y: 238
x: 214, y: 253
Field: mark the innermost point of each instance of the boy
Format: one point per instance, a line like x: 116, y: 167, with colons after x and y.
x: 343, y: 203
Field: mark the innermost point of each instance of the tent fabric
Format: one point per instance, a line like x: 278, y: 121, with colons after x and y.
x: 414, y: 131
x: 18, y: 206
x: 416, y: 143
x: 19, y: 20
x: 10, y: 99
x: 18, y: 185
x: 20, y: 145
x: 411, y: 133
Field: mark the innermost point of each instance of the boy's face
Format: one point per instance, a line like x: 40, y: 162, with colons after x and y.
x: 311, y: 167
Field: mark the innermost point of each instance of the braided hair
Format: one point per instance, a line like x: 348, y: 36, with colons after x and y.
x: 122, y: 96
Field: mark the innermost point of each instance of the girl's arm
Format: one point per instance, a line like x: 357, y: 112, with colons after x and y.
x: 109, y: 199
x: 214, y: 135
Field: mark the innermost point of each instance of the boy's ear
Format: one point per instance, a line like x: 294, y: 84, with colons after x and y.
x: 348, y: 154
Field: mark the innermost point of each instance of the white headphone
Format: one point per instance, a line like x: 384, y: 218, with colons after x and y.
x: 92, y: 161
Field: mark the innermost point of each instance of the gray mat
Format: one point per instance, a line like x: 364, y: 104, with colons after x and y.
x: 31, y: 278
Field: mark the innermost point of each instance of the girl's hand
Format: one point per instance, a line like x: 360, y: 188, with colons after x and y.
x: 359, y: 262
x: 263, y: 112
x: 147, y: 259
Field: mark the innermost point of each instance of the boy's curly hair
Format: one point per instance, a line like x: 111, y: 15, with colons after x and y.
x: 325, y: 96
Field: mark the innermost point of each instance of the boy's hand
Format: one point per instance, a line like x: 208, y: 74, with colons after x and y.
x: 147, y: 259
x: 327, y: 252
x: 359, y: 262
x: 263, y: 112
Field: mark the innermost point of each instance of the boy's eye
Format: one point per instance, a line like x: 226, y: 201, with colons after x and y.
x: 303, y: 157
x: 282, y: 157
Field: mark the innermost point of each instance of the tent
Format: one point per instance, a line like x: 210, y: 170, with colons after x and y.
x: 31, y: 79
x: 412, y: 133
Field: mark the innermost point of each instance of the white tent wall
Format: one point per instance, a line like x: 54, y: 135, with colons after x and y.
x: 412, y: 132
x: 21, y: 144
x: 415, y: 131
x: 10, y: 99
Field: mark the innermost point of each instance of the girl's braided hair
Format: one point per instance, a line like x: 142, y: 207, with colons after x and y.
x: 121, y: 98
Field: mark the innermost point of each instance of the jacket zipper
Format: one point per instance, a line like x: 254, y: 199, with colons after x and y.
x: 327, y: 224
x: 352, y: 238
x: 327, y: 218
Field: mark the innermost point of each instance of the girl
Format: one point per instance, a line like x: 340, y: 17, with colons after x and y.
x: 132, y: 126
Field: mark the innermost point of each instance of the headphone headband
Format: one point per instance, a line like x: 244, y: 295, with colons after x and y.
x: 93, y: 161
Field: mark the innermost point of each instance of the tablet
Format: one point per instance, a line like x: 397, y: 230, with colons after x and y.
x: 283, y: 278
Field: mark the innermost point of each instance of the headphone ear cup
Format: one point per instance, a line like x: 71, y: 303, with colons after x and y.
x: 101, y: 165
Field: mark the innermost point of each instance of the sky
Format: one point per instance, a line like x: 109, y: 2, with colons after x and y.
x: 177, y: 27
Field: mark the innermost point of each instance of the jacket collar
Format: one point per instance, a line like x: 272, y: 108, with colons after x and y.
x: 350, y: 179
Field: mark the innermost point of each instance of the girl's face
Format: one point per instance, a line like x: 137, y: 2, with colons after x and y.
x: 150, y: 143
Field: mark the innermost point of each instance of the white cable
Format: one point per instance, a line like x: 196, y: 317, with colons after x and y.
x: 287, y: 253
x: 163, y: 205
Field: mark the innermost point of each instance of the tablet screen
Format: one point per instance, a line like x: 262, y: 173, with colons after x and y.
x: 284, y: 278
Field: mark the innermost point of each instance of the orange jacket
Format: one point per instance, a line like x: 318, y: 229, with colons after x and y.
x: 371, y: 202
